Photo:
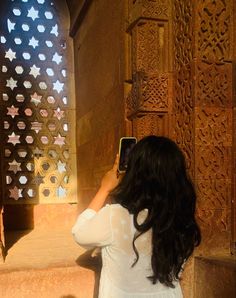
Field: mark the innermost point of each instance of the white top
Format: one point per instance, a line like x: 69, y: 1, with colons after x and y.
x: 112, y: 229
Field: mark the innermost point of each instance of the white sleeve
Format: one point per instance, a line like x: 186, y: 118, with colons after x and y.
x: 93, y: 229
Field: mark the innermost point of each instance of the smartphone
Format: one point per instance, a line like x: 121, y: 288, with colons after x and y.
x: 125, y: 147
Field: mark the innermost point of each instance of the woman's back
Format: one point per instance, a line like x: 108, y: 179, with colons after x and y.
x: 119, y: 267
x: 151, y: 231
x: 112, y: 228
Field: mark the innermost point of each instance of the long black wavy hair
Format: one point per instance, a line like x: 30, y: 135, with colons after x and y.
x: 156, y: 179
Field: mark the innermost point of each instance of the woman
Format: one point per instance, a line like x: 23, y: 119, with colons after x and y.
x: 149, y: 231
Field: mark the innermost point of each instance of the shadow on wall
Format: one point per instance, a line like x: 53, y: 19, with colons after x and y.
x: 18, y: 221
x: 92, y: 260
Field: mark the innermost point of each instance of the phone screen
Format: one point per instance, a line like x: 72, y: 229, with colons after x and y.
x: 126, y: 145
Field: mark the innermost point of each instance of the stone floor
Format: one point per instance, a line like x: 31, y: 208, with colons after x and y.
x: 47, y: 264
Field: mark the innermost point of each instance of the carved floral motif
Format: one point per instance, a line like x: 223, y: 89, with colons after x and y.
x: 213, y: 162
x: 182, y: 34
x: 213, y: 126
x: 213, y: 194
x: 213, y: 27
x: 200, y: 99
x: 213, y: 84
x: 183, y: 122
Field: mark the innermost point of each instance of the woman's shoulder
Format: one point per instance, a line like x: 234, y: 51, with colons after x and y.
x: 117, y: 209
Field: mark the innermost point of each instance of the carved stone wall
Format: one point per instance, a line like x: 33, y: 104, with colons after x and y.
x: 213, y: 121
x: 181, y: 85
x: 148, y: 102
x: 178, y: 82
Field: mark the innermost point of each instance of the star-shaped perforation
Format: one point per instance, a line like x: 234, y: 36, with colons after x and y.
x: 59, y: 140
x: 58, y: 113
x: 32, y: 13
x: 61, y: 167
x: 13, y: 139
x: 10, y: 54
x: 14, y: 166
x: 58, y: 86
x: 11, y: 83
x: 15, y: 193
x: 54, y: 30
x: 12, y: 111
x: 61, y: 192
x: 34, y: 71
x: 33, y: 42
x: 57, y: 58
x: 36, y: 98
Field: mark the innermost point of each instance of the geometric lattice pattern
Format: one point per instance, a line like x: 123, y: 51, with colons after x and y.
x: 35, y: 108
x: 148, y: 93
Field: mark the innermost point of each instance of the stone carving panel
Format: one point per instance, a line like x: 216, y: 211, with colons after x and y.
x: 213, y: 126
x: 182, y: 132
x: 213, y: 85
x: 182, y: 119
x: 213, y: 120
x: 154, y: 9
x: 212, y: 162
x: 150, y: 123
x: 155, y: 93
x: 213, y: 194
x: 182, y: 34
x: 148, y: 93
x: 215, y: 229
x: 149, y: 46
x: 213, y: 26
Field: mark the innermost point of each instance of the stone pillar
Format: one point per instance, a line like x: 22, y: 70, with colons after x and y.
x: 148, y: 103
x: 202, y: 112
x: 181, y: 65
x: 213, y: 103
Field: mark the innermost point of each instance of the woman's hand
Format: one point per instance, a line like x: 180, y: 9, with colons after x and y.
x: 109, y: 182
x: 111, y: 178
